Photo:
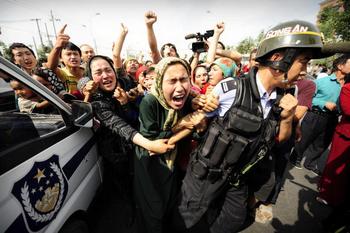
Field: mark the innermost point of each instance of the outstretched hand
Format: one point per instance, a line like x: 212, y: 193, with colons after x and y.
x: 121, y: 96
x: 62, y: 39
x: 90, y: 88
x: 150, y: 18
x: 219, y: 28
x: 123, y: 29
x: 133, y: 93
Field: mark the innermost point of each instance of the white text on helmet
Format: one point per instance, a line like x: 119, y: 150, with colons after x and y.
x: 286, y: 31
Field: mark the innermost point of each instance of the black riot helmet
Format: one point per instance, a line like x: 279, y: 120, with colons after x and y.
x: 293, y: 36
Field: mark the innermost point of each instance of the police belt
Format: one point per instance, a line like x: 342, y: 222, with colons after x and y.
x: 320, y: 112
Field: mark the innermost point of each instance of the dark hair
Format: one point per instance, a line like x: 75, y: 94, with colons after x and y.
x: 19, y: 45
x: 324, y: 69
x: 222, y: 44
x: 72, y: 47
x: 347, y: 78
x: 148, y: 62
x: 340, y: 61
x: 170, y: 45
x: 149, y: 70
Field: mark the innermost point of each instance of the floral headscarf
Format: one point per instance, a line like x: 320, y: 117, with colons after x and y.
x: 227, y: 66
x: 157, y: 89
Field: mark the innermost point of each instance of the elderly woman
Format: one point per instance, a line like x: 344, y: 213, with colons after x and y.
x: 115, y: 135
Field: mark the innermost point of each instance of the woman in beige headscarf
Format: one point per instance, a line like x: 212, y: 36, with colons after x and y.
x: 155, y: 176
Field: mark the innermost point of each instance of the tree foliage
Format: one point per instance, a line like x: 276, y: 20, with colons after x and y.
x: 246, y: 45
x: 335, y: 24
x: 5, y: 51
x: 43, y: 52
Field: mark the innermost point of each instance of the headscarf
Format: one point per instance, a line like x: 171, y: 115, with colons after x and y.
x: 110, y: 62
x: 227, y: 66
x: 157, y: 89
x: 99, y: 92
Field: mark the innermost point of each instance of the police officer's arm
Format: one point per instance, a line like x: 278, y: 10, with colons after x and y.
x: 288, y: 103
x: 300, y: 112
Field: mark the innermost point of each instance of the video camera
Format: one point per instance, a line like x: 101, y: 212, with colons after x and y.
x: 199, y: 46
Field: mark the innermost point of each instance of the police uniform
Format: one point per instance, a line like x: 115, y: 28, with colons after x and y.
x: 214, y: 188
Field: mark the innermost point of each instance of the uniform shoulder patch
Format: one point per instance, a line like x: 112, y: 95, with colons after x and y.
x: 228, y: 85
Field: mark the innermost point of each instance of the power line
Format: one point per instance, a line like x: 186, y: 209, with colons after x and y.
x: 14, y: 21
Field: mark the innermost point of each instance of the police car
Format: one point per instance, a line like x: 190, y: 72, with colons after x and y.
x: 49, y: 167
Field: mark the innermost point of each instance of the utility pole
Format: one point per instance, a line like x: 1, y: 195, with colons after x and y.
x: 48, y: 36
x: 36, y: 49
x: 53, y: 19
x: 37, y: 24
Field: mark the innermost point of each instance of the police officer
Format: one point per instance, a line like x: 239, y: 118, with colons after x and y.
x: 253, y: 114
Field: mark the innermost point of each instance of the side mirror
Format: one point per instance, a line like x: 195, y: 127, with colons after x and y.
x: 82, y: 114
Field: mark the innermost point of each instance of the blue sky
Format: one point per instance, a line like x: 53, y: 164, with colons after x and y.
x: 175, y: 20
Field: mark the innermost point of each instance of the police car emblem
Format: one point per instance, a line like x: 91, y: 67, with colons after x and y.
x: 41, y: 192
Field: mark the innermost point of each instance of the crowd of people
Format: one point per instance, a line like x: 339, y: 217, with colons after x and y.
x: 200, y: 145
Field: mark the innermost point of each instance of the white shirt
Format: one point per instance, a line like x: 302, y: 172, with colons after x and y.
x: 227, y: 97
x: 266, y: 100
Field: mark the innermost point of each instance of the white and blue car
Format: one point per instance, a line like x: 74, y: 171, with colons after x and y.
x: 50, y: 170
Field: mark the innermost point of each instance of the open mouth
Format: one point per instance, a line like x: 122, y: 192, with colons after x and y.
x: 107, y: 82
x: 178, y: 100
x: 29, y: 63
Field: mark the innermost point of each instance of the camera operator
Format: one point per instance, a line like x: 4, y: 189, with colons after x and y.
x: 214, y: 47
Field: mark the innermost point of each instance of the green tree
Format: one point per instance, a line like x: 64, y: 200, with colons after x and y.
x: 43, y: 52
x: 335, y: 24
x: 246, y: 45
x: 5, y: 51
x: 260, y: 37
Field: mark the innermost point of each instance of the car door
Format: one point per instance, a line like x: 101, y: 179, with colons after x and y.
x: 49, y: 165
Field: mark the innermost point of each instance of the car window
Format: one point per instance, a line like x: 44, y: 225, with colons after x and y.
x: 18, y: 126
x: 7, y: 96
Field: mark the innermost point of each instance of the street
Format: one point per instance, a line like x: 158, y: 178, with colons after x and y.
x: 296, y: 210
